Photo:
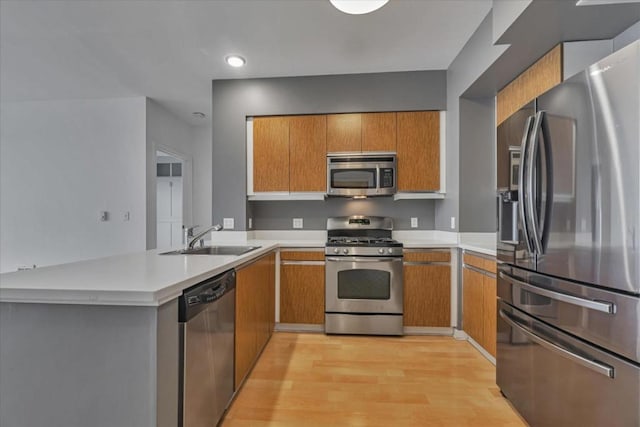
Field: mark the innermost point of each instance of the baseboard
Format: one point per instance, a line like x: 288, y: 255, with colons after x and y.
x: 459, y: 334
x: 298, y: 327
x: 420, y: 330
x: 482, y: 351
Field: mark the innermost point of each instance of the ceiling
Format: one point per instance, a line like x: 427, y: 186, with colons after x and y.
x: 171, y: 50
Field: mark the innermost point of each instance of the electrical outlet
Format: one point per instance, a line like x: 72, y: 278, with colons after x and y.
x: 250, y: 223
x: 104, y: 216
x: 414, y: 222
x: 126, y: 216
x: 228, y: 223
x: 453, y: 222
x: 297, y: 222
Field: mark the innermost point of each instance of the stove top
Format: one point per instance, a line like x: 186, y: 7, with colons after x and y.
x: 364, y: 241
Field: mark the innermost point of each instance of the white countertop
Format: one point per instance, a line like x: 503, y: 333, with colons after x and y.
x: 150, y: 279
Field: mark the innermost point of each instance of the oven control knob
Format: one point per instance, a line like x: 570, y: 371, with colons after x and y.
x: 380, y: 251
x: 390, y: 251
x: 345, y: 251
x: 336, y: 250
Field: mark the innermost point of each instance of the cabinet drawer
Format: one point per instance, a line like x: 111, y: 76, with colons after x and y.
x: 427, y: 256
x: 302, y: 255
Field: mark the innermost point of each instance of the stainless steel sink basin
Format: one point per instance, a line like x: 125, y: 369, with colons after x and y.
x: 214, y: 250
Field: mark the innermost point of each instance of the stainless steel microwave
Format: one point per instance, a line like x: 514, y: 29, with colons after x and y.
x: 361, y: 174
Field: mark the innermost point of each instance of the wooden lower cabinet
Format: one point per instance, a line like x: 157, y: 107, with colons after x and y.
x: 472, y: 302
x: 302, y: 287
x: 255, y: 313
x: 479, y: 303
x: 427, y: 289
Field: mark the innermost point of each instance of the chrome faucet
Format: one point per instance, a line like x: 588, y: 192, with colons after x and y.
x: 190, y: 239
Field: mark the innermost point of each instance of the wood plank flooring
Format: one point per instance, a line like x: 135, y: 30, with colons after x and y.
x: 320, y: 380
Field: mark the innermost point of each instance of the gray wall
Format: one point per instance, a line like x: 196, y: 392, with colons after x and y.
x: 477, y: 165
x: 279, y: 215
x: 629, y: 35
x: 476, y: 57
x: 76, y: 365
x: 234, y: 100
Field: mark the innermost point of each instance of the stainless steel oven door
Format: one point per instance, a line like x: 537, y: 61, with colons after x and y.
x: 363, y: 285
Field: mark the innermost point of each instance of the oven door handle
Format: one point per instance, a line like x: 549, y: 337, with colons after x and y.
x: 356, y: 259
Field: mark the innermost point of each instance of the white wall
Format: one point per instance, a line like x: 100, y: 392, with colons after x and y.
x: 61, y: 163
x: 202, y: 176
x: 167, y: 133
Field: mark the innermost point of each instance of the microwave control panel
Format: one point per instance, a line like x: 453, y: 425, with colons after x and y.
x: 386, y: 178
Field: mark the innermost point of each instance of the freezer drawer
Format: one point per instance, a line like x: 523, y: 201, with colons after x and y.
x: 608, y: 319
x: 553, y: 379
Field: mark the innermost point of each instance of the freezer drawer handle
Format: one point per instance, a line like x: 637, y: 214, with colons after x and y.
x: 605, y: 307
x: 600, y: 368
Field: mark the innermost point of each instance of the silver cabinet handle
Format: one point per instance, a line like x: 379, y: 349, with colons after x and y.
x: 600, y: 368
x: 521, y: 182
x: 605, y: 307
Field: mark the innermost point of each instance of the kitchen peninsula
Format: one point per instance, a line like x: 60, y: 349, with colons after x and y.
x: 96, y: 342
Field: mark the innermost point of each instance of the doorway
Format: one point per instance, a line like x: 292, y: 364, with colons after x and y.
x: 169, y: 200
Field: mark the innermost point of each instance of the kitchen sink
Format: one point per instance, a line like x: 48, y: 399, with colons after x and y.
x: 214, y: 250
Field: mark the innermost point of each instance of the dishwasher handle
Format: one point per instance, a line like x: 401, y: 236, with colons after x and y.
x: 196, y: 298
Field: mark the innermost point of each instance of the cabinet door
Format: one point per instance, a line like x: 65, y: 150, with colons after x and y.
x: 344, y: 132
x: 490, y: 315
x: 308, y: 153
x: 427, y: 295
x: 472, y: 304
x: 302, y: 293
x: 270, y: 154
x: 245, y: 335
x: 418, y: 151
x: 379, y: 132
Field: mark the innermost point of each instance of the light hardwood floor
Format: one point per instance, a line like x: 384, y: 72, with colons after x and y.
x: 320, y: 380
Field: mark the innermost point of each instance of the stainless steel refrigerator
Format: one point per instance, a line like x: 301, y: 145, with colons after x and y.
x: 568, y: 346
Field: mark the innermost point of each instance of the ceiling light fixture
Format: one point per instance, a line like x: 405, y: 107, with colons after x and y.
x: 235, y: 60
x: 358, y: 7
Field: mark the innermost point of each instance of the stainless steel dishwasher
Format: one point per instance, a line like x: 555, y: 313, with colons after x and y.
x: 207, y: 326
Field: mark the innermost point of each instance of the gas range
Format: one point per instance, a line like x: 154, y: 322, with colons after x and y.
x: 363, y: 277
x: 363, y: 246
x: 360, y: 235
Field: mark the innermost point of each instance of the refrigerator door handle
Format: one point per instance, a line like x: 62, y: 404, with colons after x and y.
x: 522, y: 182
x: 547, y: 182
x: 532, y: 214
x: 595, y: 366
x: 603, y: 306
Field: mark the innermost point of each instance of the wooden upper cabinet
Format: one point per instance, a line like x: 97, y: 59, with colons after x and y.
x: 271, y: 154
x: 344, y: 132
x: 534, y: 81
x: 379, y: 132
x: 308, y: 153
x: 418, y: 151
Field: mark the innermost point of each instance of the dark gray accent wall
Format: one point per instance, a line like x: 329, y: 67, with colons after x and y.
x: 476, y: 56
x: 234, y: 100
x: 477, y: 165
x: 279, y: 215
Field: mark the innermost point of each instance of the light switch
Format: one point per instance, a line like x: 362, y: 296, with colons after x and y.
x: 228, y: 223
x: 297, y: 222
x: 250, y: 223
x: 414, y: 222
x: 453, y: 222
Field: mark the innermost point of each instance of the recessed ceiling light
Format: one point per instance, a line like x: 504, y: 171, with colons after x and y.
x: 198, y: 115
x: 235, y: 60
x: 358, y: 7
